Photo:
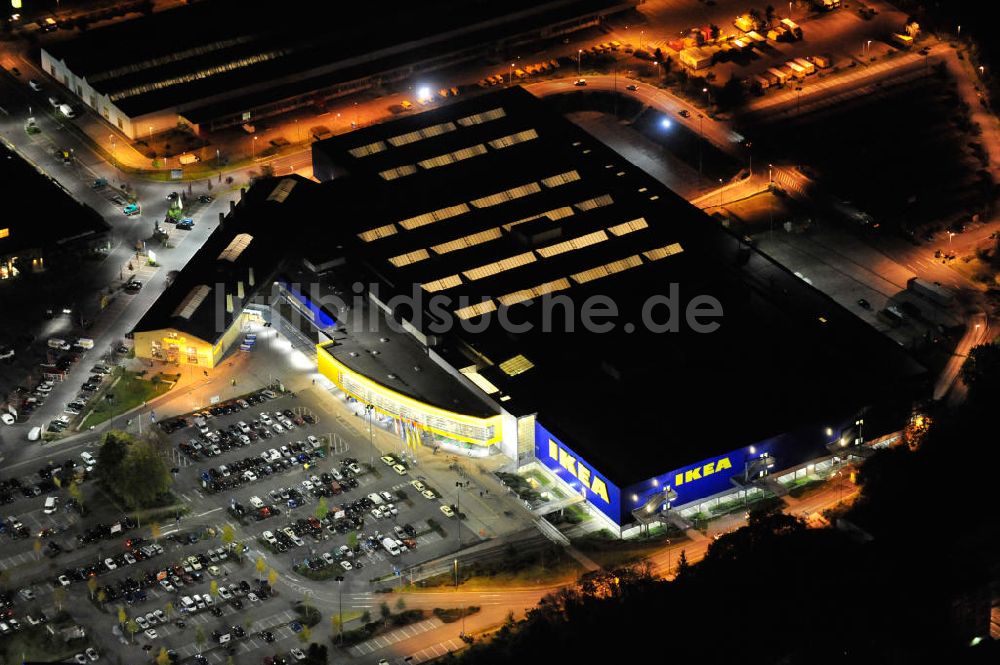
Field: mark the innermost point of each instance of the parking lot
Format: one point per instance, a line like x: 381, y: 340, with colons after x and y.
x: 311, y: 505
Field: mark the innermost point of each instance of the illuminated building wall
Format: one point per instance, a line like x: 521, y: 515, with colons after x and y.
x: 457, y: 426
x: 172, y: 345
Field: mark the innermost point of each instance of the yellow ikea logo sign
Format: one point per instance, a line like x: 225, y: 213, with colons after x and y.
x: 703, y: 471
x: 579, y: 471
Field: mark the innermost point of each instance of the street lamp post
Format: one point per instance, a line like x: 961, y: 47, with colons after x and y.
x: 253, y: 149
x: 701, y: 141
x: 114, y: 151
x: 340, y: 602
x: 458, y: 484
x: 798, y: 99
x: 579, y: 55
x: 510, y: 74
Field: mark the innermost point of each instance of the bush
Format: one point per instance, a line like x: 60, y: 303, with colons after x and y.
x: 308, y: 615
x: 453, y: 614
x: 406, y: 617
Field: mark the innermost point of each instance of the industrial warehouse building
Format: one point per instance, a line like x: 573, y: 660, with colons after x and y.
x: 446, y: 270
x: 211, y: 66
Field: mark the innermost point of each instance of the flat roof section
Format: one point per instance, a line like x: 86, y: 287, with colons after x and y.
x: 397, y: 361
x: 242, y: 254
x: 224, y: 56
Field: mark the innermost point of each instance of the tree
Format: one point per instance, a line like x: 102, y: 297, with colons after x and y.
x: 757, y: 19
x: 199, y: 636
x: 132, y: 627
x: 144, y: 476
x: 400, y: 604
x: 769, y: 14
x: 321, y: 508
x: 272, y: 576
x: 155, y: 531
x: 213, y: 589
x: 122, y: 617
x: 352, y: 540
x: 713, y: 31
x: 304, y: 634
x: 102, y: 596
x: 981, y: 371
x: 75, y: 493
x: 317, y: 654
x: 92, y: 586
x: 261, y: 567
x: 168, y: 609
x: 366, y: 616
x: 111, y: 456
x: 385, y: 612
x: 683, y: 567
x: 228, y: 534
x: 58, y: 596
x: 57, y: 480
x: 163, y: 658
x: 38, y: 548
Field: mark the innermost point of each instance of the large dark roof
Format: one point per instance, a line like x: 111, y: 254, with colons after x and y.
x: 56, y: 217
x: 583, y: 222
x: 252, y: 57
x: 785, y: 356
x: 252, y: 240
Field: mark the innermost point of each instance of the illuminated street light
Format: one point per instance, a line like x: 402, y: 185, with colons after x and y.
x: 423, y: 93
x: 253, y: 149
x: 665, y: 123
x: 579, y: 54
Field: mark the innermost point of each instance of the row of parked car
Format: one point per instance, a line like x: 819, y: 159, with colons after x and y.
x: 137, y: 552
x: 251, y: 469
x: 171, y: 425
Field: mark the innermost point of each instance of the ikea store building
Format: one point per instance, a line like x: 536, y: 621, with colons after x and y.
x: 493, y: 280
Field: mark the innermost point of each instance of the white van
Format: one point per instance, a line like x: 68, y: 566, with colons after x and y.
x: 390, y: 546
x: 376, y: 499
x: 256, y: 502
x: 60, y: 344
x: 34, y: 434
x: 51, y: 505
x: 187, y: 604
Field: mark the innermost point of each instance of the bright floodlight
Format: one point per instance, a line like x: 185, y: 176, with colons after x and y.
x: 423, y: 93
x: 665, y: 123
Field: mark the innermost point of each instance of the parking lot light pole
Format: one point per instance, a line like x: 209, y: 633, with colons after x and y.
x: 340, y: 601
x: 459, y: 516
x: 369, y: 408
